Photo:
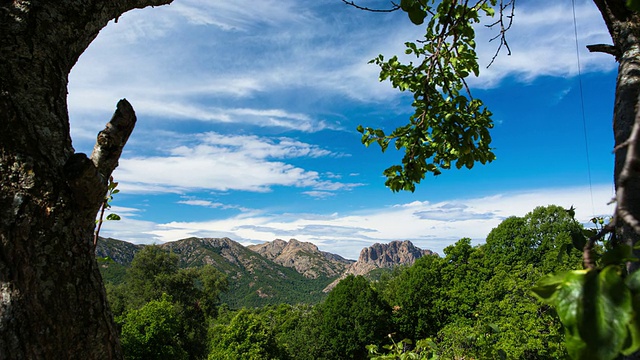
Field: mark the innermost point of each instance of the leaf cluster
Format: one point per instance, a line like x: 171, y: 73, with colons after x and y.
x: 598, y: 306
x: 448, y: 127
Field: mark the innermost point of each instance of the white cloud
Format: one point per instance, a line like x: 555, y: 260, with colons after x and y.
x: 429, y: 225
x: 319, y: 194
x: 542, y: 42
x: 226, y: 162
x: 240, y: 15
x: 203, y: 203
x: 171, y: 68
x: 213, y: 205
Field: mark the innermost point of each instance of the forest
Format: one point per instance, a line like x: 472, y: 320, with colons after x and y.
x: 472, y: 302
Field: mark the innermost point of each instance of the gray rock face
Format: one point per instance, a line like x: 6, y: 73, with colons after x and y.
x: 391, y: 254
x: 304, y: 257
x: 379, y: 256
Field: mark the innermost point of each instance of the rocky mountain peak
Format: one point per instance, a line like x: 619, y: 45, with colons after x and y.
x: 391, y: 254
x: 304, y: 257
x: 379, y: 256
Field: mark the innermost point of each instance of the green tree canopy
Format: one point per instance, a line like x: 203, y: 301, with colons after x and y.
x: 153, y: 331
x: 543, y: 237
x: 353, y: 315
x: 247, y: 336
x: 154, y: 275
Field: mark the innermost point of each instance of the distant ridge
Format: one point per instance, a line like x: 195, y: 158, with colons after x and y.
x: 254, y: 280
x: 270, y: 273
x: 119, y: 251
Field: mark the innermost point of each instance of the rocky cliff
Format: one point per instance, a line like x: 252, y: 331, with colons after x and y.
x: 304, y: 257
x: 381, y: 256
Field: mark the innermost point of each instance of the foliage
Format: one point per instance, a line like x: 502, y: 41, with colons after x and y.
x: 353, y: 315
x: 295, y: 328
x: 475, y: 302
x: 147, y: 277
x: 417, y: 300
x: 246, y: 337
x: 153, y: 331
x: 111, y: 271
x: 449, y: 126
x: 398, y: 350
x: 543, y: 237
x: 193, y: 292
x: 472, y: 302
x: 599, y: 305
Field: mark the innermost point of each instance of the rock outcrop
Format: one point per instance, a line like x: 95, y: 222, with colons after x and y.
x: 380, y: 256
x: 304, y: 257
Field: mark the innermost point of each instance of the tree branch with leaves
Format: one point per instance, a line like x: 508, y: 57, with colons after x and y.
x: 449, y: 127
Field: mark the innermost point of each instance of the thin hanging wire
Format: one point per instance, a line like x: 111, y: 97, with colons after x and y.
x: 584, y: 121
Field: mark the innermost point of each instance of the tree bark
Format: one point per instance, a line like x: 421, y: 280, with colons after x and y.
x: 52, y: 301
x: 624, y: 27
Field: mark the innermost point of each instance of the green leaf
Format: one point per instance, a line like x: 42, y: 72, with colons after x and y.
x: 489, y: 11
x: 546, y: 288
x: 607, y: 312
x: 595, y: 308
x: 633, y: 340
x: 406, y: 5
x: 578, y: 240
x: 113, y: 217
x: 633, y: 282
x: 417, y: 15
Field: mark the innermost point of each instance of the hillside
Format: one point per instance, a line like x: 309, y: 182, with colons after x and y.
x: 254, y: 280
x: 270, y: 273
x: 121, y: 252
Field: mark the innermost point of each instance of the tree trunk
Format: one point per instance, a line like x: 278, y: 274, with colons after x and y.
x: 624, y: 27
x: 52, y: 301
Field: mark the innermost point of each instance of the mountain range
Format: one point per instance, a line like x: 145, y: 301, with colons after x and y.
x: 274, y: 272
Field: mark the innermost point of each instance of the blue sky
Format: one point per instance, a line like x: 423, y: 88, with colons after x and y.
x: 247, y: 114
